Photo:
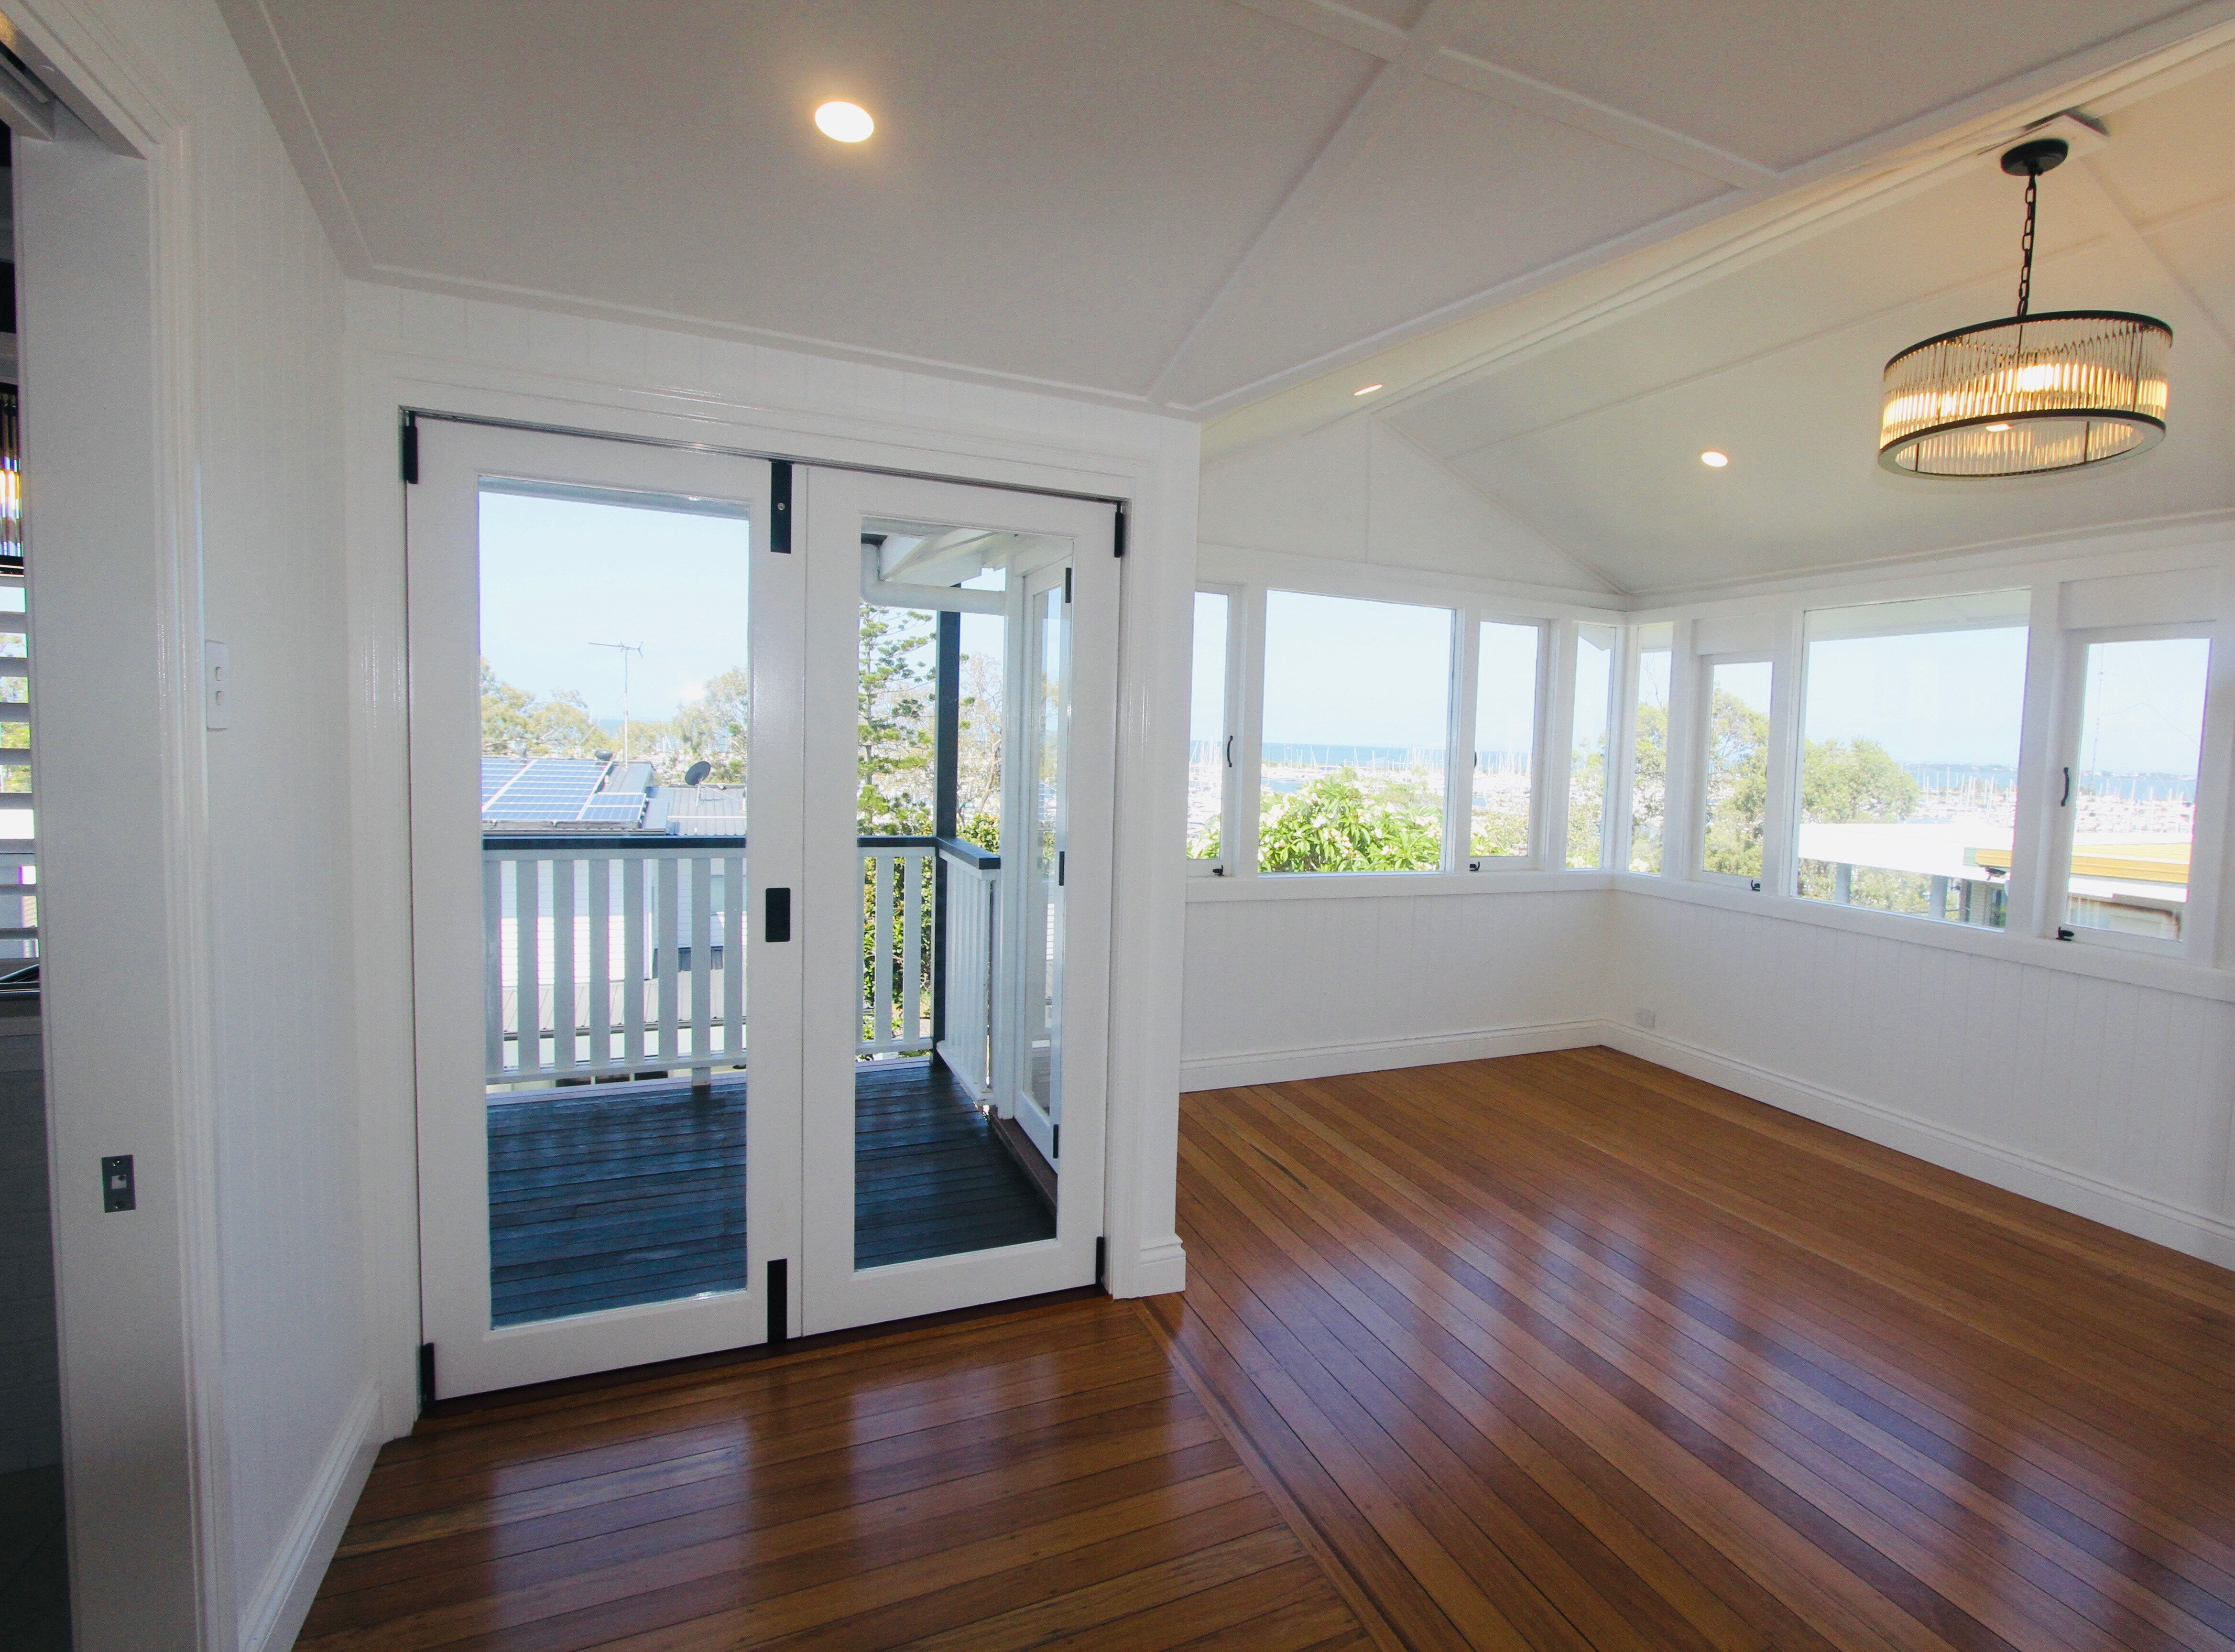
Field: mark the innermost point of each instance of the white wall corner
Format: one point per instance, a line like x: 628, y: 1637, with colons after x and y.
x: 274, y: 1615
x: 2192, y: 1232
x: 1306, y: 496
x: 1422, y: 513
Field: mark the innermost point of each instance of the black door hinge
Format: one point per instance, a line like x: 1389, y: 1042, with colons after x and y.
x: 1066, y: 584
x: 1101, y: 1258
x: 780, y: 507
x: 1058, y: 869
x: 776, y: 927
x: 426, y: 1374
x: 779, y: 1299
x: 1055, y: 1142
x: 407, y: 454
x: 1117, y: 532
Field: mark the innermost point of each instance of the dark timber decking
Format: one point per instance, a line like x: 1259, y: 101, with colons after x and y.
x: 929, y: 1178
x: 604, y: 1195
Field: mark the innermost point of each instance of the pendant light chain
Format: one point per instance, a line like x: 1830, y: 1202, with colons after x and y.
x: 2025, y: 268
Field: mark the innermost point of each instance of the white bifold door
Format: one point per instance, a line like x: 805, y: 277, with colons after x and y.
x: 760, y: 845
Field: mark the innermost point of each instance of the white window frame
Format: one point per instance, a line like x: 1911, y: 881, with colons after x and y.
x: 1777, y: 806
x: 1237, y: 621
x: 2200, y: 912
x: 1571, y: 661
x: 1458, y: 807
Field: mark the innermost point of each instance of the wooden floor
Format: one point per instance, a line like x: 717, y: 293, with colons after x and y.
x: 1561, y: 1351
x: 1569, y: 1351
x: 601, y: 1195
x: 1011, y: 1480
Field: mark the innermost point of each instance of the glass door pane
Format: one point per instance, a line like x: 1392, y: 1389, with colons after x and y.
x: 615, y: 701
x: 2134, y: 786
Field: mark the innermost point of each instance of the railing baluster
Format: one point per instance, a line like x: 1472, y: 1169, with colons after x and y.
x: 526, y: 935
x: 881, y: 953
x: 701, y: 867
x: 665, y: 941
x: 733, y: 957
x: 563, y: 1021
x: 911, y: 971
x: 632, y: 961
x: 601, y: 978
x: 493, y: 964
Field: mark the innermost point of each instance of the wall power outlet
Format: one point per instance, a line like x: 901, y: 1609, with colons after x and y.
x: 1646, y: 1019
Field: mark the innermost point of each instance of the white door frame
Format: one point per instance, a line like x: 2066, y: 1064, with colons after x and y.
x: 830, y: 507
x: 443, y: 522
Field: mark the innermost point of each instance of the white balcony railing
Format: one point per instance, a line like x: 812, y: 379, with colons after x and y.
x: 618, y: 948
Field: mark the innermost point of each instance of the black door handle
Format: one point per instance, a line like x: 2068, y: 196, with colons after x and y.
x: 777, y: 924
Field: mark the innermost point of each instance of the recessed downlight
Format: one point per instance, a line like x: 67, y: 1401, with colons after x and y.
x: 847, y: 122
x: 1714, y: 459
x: 1366, y: 390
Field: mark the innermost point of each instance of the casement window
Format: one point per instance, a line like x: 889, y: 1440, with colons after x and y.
x: 1734, y: 770
x: 1502, y: 792
x: 1590, y: 744
x: 1214, y: 731
x: 1355, y: 727
x: 2126, y: 784
x: 1648, y: 758
x: 1910, y: 721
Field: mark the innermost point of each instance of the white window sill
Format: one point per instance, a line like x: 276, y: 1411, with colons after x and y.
x: 1339, y: 886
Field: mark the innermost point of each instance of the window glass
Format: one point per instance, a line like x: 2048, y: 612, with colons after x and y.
x: 1357, y: 706
x: 1649, y: 785
x: 2142, y: 728
x: 1908, y: 779
x: 1587, y: 762
x: 1737, y: 789
x: 1504, y: 739
x: 1207, y: 727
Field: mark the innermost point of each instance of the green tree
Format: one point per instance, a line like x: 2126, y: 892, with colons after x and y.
x: 1648, y: 789
x: 1737, y: 785
x: 515, y: 723
x: 895, y: 716
x: 1340, y: 823
x: 1846, y: 780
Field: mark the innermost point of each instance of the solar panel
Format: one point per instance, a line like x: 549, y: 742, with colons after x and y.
x: 625, y: 807
x: 496, y: 771
x: 552, y: 789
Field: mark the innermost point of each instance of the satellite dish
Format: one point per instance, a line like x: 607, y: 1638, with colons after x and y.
x: 697, y: 773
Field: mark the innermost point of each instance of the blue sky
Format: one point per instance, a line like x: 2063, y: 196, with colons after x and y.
x: 559, y: 576
x: 1342, y: 671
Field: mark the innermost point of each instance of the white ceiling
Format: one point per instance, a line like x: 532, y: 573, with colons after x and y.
x: 1186, y: 203
x: 1594, y: 443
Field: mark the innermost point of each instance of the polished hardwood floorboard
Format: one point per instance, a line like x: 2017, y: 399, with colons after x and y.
x: 1569, y: 1351
x: 1039, y: 1475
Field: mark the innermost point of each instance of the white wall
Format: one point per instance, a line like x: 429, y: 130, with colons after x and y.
x: 218, y: 869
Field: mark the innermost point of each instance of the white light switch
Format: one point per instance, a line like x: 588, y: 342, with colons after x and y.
x: 217, y: 685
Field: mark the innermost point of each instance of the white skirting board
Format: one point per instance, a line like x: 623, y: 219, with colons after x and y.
x: 275, y: 1616
x: 1380, y: 1055
x: 2195, y: 1233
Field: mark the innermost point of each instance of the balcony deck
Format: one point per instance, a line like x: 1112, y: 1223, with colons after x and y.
x: 601, y: 1195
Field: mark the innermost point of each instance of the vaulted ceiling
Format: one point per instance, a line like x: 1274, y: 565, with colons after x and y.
x: 1588, y: 427
x: 1190, y: 204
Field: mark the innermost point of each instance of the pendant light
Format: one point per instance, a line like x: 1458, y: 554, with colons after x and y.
x: 2030, y: 393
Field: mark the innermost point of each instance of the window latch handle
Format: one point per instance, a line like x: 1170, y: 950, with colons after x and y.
x: 2065, y: 802
x: 1229, y: 752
